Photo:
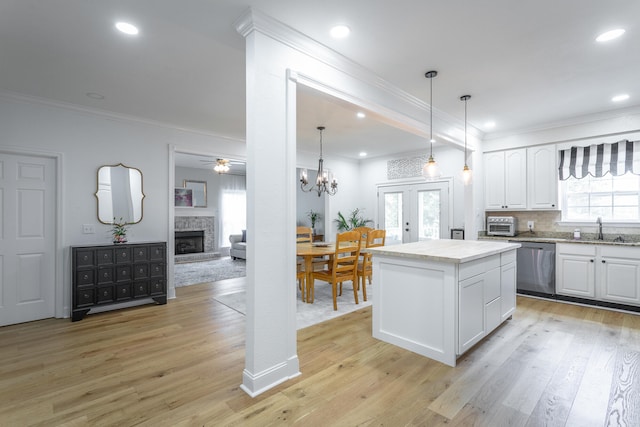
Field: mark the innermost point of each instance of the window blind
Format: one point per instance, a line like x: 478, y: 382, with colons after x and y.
x: 617, y: 159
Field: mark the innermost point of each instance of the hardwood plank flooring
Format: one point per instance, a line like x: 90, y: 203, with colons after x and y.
x: 552, y: 364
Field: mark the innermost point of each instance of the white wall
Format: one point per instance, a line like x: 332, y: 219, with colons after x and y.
x: 373, y: 172
x: 88, y: 139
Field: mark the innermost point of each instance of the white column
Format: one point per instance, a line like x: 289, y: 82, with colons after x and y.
x: 271, y: 290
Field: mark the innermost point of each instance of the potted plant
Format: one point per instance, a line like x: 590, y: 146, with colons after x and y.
x: 119, y: 231
x: 313, y: 217
x: 355, y: 219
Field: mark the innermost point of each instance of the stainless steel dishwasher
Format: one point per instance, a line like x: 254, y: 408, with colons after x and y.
x: 536, y: 264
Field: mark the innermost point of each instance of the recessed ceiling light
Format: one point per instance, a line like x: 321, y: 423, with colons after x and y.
x: 490, y: 125
x: 127, y: 28
x: 363, y: 154
x: 94, y: 95
x: 361, y: 115
x: 621, y: 97
x: 340, y: 31
x: 610, y: 35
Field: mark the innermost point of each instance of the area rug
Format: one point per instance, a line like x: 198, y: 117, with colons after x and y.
x: 309, y: 314
x: 192, y: 273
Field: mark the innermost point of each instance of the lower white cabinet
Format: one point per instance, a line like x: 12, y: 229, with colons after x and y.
x: 575, y: 270
x: 619, y: 274
x: 600, y: 272
x: 487, y: 297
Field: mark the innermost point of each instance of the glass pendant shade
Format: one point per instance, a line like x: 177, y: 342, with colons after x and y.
x: 466, y: 175
x: 430, y: 170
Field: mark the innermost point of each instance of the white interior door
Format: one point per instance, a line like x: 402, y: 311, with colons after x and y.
x: 27, y: 238
x: 414, y: 212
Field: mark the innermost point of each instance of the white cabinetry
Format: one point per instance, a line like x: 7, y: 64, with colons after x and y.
x: 600, y: 272
x: 575, y: 270
x: 505, y: 179
x: 619, y: 274
x: 487, y: 297
x: 542, y: 177
x: 507, y: 284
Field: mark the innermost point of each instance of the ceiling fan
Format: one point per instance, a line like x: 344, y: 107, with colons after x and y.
x: 221, y: 165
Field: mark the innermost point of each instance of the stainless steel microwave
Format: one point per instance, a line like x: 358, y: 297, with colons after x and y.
x: 502, y: 226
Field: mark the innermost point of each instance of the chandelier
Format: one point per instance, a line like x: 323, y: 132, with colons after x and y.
x: 325, y: 183
x: 430, y: 169
x: 222, y: 166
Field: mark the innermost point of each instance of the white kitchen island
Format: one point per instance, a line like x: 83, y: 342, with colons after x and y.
x: 440, y: 297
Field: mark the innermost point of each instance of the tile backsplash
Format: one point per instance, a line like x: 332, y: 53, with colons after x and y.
x: 547, y: 221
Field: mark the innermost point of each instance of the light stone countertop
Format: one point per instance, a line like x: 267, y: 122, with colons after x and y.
x: 446, y: 250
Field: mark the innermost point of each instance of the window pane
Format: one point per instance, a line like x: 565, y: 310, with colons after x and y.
x: 429, y: 214
x: 610, y: 197
x: 627, y: 213
x: 601, y: 200
x: 393, y: 215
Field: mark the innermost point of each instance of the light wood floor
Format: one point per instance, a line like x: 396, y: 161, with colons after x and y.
x: 181, y: 365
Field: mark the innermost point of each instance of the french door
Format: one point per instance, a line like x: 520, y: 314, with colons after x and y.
x: 414, y: 212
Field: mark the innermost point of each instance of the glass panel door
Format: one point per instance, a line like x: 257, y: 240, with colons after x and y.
x: 414, y: 212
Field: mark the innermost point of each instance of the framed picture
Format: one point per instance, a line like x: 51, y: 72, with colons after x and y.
x: 199, y: 192
x: 184, y: 198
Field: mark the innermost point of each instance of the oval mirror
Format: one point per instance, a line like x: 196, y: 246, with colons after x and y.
x: 119, y: 194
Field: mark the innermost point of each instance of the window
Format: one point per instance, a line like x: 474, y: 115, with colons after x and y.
x: 614, y: 198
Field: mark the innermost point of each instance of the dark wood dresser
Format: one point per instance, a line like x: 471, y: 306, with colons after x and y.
x: 114, y: 274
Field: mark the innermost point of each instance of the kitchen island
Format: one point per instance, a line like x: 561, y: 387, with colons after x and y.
x: 438, y: 298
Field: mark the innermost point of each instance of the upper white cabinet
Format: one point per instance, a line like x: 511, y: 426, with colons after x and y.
x: 542, y: 177
x: 506, y: 180
x: 520, y: 179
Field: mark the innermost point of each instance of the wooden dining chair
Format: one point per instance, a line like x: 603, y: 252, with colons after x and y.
x: 364, y: 271
x: 304, y: 234
x: 340, y: 268
x: 301, y: 278
x: 363, y: 230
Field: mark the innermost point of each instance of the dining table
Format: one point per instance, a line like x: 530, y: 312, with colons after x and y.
x: 308, y: 251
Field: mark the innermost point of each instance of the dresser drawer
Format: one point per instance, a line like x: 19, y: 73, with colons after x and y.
x: 157, y: 269
x: 84, y: 258
x: 140, y: 253
x: 140, y: 289
x: 123, y: 273
x: 104, y: 294
x: 123, y: 292
x: 157, y: 287
x: 85, y: 277
x: 104, y: 256
x: 123, y: 255
x: 140, y: 271
x: 85, y: 297
x: 105, y: 275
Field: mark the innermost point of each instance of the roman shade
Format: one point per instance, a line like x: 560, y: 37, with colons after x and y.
x: 617, y: 159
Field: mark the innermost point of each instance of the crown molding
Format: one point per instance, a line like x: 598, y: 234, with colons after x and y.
x: 110, y: 114
x: 572, y: 121
x: 254, y: 20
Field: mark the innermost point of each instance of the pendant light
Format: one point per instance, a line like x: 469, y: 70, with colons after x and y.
x: 466, y: 172
x: 430, y: 170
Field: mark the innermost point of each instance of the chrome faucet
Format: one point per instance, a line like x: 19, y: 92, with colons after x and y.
x: 599, y: 222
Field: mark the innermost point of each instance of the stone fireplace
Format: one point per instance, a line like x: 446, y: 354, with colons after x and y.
x: 191, y: 232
